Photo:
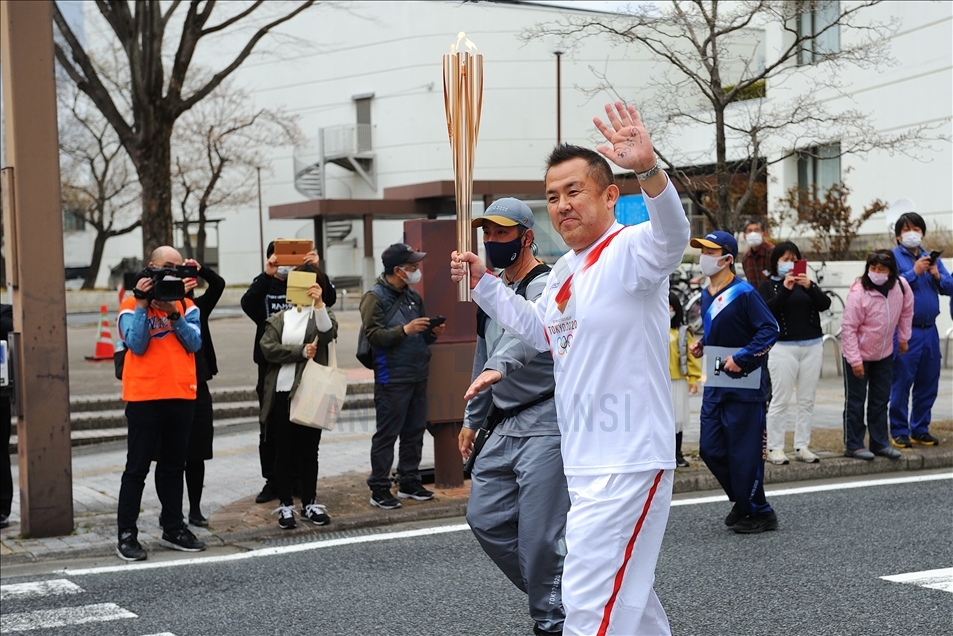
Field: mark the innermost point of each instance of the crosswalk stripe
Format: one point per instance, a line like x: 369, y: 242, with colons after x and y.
x: 54, y: 587
x: 941, y: 579
x: 61, y: 617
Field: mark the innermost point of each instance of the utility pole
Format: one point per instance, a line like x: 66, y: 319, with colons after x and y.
x: 559, y: 96
x: 33, y: 224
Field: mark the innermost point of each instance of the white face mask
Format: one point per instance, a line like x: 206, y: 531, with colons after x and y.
x: 911, y: 240
x: 877, y: 279
x: 283, y: 271
x: 784, y: 268
x: 671, y: 314
x: 412, y: 277
x: 709, y: 264
x: 753, y: 239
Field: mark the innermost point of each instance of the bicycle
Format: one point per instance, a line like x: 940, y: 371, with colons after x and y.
x: 685, y: 284
x: 832, y: 316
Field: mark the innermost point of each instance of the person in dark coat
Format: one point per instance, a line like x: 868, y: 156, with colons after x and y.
x: 6, y: 474
x: 206, y: 367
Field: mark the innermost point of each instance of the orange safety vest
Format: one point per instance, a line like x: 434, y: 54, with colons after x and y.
x: 166, y: 371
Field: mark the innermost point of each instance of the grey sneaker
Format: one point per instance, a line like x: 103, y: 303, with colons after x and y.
x: 889, y: 453
x: 182, y: 539
x: 860, y: 453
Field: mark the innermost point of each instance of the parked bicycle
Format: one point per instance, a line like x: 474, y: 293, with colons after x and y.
x: 685, y: 282
x: 831, y: 318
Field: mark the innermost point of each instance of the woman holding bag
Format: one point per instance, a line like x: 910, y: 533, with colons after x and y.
x: 291, y: 338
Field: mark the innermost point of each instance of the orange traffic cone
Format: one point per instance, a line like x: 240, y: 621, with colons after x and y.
x: 104, y: 346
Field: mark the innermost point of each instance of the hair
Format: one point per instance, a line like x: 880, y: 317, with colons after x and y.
x: 880, y: 257
x: 780, y: 250
x: 679, y: 318
x: 759, y: 222
x: 599, y: 170
x: 913, y: 220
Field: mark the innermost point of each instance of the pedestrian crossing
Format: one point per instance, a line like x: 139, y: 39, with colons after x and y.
x: 941, y: 579
x: 45, y: 619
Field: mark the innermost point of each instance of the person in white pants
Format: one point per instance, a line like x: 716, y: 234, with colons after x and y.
x: 795, y: 360
x: 604, y: 317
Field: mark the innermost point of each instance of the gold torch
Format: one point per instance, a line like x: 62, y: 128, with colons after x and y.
x: 463, y: 98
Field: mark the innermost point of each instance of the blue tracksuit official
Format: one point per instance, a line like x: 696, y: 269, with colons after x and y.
x: 732, y: 441
x: 919, y: 369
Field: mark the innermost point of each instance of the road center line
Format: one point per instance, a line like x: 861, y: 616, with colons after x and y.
x: 406, y: 534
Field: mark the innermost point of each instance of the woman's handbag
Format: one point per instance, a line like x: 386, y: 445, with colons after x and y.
x: 320, y: 395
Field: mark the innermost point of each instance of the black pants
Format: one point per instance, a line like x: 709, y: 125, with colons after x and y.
x: 162, y: 424
x: 295, y: 446
x: 874, y: 388
x: 266, y: 444
x: 401, y: 413
x: 6, y: 475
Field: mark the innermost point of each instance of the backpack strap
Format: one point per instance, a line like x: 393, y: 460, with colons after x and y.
x: 534, y: 273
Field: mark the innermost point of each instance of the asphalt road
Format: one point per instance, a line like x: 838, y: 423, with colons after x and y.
x: 819, y: 574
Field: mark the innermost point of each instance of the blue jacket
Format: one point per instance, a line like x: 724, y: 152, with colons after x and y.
x: 746, y: 323
x: 926, y: 289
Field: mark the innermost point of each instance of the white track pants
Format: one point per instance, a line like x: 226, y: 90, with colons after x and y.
x: 614, y: 532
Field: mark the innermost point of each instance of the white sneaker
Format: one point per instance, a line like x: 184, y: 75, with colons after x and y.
x: 777, y: 456
x: 805, y: 455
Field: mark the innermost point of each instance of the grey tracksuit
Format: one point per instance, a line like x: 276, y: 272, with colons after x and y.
x: 518, y: 494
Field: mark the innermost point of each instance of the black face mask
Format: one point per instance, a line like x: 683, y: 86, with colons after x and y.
x: 502, y: 255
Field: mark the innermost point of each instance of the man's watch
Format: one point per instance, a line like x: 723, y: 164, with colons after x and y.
x: 174, y: 316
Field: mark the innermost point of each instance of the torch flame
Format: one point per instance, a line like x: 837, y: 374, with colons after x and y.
x: 462, y: 40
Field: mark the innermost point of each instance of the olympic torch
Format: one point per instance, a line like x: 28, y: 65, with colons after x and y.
x: 463, y: 98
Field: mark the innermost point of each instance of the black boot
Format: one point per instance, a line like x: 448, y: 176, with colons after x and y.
x: 680, y: 461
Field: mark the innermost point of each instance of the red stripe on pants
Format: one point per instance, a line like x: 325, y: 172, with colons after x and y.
x: 617, y: 585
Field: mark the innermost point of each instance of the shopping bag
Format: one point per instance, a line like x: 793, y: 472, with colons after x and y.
x: 320, y: 396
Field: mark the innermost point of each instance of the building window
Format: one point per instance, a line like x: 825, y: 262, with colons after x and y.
x: 817, y: 27
x: 818, y: 168
x: 362, y: 106
x: 73, y: 222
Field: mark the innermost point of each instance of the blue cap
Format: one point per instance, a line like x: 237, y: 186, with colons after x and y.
x: 718, y: 240
x: 506, y: 212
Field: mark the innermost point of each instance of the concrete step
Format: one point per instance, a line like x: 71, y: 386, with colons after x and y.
x: 113, y: 402
x: 115, y: 418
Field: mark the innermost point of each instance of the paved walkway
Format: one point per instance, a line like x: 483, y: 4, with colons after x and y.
x: 232, y: 477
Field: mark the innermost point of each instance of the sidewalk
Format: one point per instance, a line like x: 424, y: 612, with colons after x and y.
x: 233, y: 480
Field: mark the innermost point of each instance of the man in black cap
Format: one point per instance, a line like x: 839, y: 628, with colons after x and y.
x: 399, y: 332
x: 266, y: 297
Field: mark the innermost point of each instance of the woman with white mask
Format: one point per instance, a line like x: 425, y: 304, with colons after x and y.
x: 796, y: 359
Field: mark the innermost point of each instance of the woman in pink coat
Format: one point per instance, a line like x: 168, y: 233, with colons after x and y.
x: 880, y: 303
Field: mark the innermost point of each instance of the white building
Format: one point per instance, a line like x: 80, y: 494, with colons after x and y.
x: 376, y: 66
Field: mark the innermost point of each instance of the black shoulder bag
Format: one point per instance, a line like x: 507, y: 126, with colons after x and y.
x: 365, y: 352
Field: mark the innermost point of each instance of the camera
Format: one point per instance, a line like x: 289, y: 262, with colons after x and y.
x: 167, y: 283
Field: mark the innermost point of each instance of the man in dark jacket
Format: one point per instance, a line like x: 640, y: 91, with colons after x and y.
x: 401, y: 342
x: 266, y: 297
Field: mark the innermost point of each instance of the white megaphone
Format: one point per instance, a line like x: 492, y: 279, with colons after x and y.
x: 896, y: 209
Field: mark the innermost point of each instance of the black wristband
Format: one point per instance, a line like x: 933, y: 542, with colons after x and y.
x: 174, y: 316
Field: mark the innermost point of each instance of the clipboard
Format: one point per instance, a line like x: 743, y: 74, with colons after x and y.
x: 298, y: 284
x: 715, y: 376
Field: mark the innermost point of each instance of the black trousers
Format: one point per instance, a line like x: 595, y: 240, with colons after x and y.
x: 295, y: 446
x: 874, y: 389
x: 266, y: 443
x: 401, y: 413
x: 162, y: 425
x: 6, y: 475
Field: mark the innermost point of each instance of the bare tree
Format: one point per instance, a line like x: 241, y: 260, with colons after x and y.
x: 157, y: 99
x: 218, y: 147
x: 713, y: 76
x: 98, y: 183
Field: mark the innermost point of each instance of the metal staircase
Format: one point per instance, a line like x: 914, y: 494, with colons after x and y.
x: 349, y: 146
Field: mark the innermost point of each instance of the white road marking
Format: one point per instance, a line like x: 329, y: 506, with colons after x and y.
x: 162, y: 634
x: 406, y: 534
x: 53, y: 587
x: 934, y: 579
x: 46, y: 619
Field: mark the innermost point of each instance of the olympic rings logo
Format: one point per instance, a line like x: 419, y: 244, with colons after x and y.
x: 563, y: 343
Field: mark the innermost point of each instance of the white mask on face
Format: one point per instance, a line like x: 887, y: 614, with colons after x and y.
x: 671, y: 314
x: 877, y: 279
x: 709, y: 264
x: 283, y: 271
x: 412, y: 277
x: 753, y: 239
x: 784, y: 268
x: 911, y: 240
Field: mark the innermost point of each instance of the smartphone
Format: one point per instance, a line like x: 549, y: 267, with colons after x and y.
x: 800, y: 267
x: 935, y: 254
x: 436, y: 322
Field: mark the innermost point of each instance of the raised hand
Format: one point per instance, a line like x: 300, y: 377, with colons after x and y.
x: 630, y: 146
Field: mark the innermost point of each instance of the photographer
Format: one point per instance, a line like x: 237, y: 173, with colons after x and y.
x: 159, y: 388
